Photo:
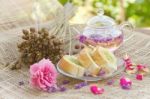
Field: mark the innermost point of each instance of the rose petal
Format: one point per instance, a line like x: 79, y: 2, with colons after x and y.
x: 95, y: 90
x: 130, y: 67
x: 139, y: 77
x: 128, y: 63
x: 34, y: 68
x: 140, y: 67
x: 125, y: 83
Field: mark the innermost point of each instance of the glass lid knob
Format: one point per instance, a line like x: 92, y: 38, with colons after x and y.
x: 100, y: 12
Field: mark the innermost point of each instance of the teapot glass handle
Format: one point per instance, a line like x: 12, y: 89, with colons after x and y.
x: 126, y: 26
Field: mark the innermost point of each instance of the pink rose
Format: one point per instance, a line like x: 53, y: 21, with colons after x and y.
x: 43, y: 75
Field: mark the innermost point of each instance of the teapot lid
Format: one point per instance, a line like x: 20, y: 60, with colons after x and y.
x: 100, y: 20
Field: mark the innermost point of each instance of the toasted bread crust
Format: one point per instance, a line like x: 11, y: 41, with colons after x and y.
x: 86, y: 60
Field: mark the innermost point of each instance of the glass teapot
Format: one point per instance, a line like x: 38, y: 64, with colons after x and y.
x: 102, y: 31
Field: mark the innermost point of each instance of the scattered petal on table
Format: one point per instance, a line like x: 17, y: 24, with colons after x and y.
x: 62, y: 88
x: 96, y: 90
x: 80, y: 85
x: 125, y: 83
x: 140, y: 67
x: 77, y: 86
x: 139, y: 77
x: 128, y: 61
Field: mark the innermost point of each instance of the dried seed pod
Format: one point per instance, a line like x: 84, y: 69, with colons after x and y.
x: 25, y: 37
x: 38, y: 45
x: 32, y: 30
x: 52, y: 37
x: 39, y: 32
x: 25, y: 32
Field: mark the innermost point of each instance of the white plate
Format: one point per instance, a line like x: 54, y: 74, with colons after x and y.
x: 120, y: 68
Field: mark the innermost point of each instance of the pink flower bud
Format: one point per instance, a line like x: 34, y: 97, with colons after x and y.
x: 139, y: 77
x: 125, y: 83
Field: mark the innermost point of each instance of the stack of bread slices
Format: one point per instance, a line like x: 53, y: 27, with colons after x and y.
x: 89, y: 61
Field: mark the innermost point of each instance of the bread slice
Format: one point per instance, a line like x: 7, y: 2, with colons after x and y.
x: 71, y: 65
x: 105, y: 59
x: 87, y: 62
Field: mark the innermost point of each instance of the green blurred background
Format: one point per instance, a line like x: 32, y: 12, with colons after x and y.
x: 135, y: 11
